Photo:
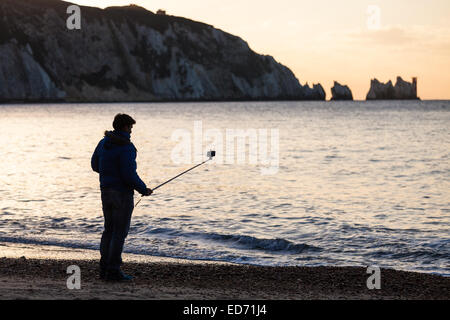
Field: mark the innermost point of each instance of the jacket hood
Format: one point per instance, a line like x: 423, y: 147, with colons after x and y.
x: 118, y: 137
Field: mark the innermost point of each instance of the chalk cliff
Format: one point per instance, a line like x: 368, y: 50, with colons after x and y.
x: 340, y: 92
x: 131, y: 54
x: 386, y: 91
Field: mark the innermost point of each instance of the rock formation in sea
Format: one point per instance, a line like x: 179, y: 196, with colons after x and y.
x: 131, y: 54
x: 341, y: 92
x: 402, y: 90
x: 315, y: 93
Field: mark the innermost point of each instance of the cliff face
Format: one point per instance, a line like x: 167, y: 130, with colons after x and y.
x: 130, y: 54
x: 340, y: 92
x: 402, y: 90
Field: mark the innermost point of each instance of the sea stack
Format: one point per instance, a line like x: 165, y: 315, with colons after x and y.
x: 341, y: 92
x: 402, y: 90
x: 315, y: 93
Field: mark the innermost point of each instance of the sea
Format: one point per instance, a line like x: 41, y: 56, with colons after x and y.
x: 293, y: 183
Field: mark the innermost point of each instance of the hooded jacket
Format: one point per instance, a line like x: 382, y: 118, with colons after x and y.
x: 114, y: 159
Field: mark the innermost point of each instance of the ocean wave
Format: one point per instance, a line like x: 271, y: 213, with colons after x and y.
x: 422, y: 253
x: 246, y: 242
x: 49, y: 242
x: 253, y: 243
x: 242, y: 241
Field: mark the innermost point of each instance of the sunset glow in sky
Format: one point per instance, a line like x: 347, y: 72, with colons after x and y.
x: 350, y: 41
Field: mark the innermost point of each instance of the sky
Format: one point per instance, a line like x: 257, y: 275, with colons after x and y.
x: 322, y: 41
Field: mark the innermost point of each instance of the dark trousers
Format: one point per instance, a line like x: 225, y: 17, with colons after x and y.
x: 117, y: 209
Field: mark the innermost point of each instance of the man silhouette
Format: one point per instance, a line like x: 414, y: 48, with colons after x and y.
x: 114, y: 159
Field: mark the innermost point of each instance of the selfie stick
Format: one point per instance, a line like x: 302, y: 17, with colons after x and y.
x: 210, y: 155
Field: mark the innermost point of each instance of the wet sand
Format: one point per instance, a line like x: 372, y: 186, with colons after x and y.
x: 22, y: 278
